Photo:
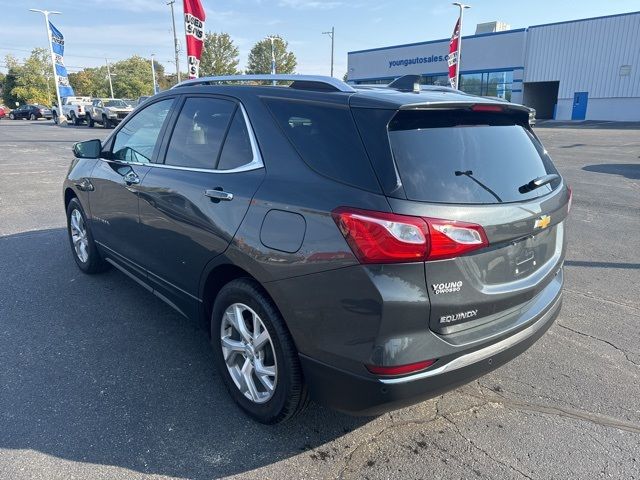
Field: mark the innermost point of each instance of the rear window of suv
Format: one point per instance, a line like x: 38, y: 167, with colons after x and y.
x: 467, y: 158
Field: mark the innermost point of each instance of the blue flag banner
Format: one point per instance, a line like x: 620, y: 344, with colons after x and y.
x: 57, y: 45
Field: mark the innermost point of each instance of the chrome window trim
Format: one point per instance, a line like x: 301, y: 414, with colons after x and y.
x: 255, y: 164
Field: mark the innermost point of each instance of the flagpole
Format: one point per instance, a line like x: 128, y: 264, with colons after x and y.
x: 462, y: 7
x: 175, y: 41
x: 61, y: 118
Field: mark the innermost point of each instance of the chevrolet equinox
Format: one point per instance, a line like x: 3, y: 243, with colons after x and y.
x: 367, y: 247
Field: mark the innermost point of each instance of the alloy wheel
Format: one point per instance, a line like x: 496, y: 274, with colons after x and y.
x: 79, y: 236
x: 248, y: 353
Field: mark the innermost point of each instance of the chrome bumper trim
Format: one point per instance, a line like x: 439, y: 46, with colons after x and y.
x: 481, y: 354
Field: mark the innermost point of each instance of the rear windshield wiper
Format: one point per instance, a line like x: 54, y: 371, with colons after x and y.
x: 538, y: 182
x: 469, y: 173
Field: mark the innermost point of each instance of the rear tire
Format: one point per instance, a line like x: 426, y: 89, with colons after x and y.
x: 12, y: 116
x: 83, y: 247
x: 55, y: 118
x: 245, y: 299
x: 74, y: 119
x: 32, y: 117
x: 90, y: 121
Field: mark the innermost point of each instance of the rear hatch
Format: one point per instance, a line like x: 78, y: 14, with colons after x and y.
x: 468, y: 166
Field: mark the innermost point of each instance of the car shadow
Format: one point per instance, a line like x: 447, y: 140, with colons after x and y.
x: 627, y: 170
x: 95, y: 369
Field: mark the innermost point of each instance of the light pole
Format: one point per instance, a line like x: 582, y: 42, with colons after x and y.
x: 106, y: 60
x: 332, y: 35
x: 175, y: 40
x: 153, y: 74
x: 273, y: 56
x: 61, y: 118
x: 462, y: 7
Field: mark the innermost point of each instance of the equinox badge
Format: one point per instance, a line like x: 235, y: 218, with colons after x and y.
x: 542, y: 222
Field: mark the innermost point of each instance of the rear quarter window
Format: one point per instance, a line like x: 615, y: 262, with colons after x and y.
x: 326, y: 138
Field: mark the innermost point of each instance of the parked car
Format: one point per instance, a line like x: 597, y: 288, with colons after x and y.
x: 73, y: 109
x: 3, y: 111
x: 108, y: 112
x: 30, y: 112
x: 364, y: 247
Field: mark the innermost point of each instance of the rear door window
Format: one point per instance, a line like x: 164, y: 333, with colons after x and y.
x: 326, y: 138
x: 237, y: 149
x: 469, y: 160
x: 200, y: 130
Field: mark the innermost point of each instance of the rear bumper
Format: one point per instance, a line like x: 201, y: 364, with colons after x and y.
x: 360, y: 395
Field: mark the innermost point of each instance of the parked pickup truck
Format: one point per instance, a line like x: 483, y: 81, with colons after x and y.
x: 73, y: 108
x: 107, y: 111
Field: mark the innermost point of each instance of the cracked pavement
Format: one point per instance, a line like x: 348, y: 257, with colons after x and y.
x: 99, y: 379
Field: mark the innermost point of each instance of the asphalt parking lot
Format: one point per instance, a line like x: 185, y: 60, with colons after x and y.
x: 99, y: 379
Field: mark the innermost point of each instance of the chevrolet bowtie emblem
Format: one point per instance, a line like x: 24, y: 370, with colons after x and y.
x: 542, y: 222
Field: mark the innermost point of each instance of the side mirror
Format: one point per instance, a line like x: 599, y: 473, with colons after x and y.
x: 88, y: 149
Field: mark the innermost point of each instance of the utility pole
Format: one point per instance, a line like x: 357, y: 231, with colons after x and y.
x: 273, y: 56
x: 175, y: 40
x: 62, y: 118
x: 462, y: 7
x: 153, y: 74
x: 109, y: 75
x: 332, y: 35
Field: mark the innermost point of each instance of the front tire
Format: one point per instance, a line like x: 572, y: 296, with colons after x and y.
x: 90, y: 121
x: 255, y: 354
x: 83, y: 247
x: 12, y: 116
x: 55, y: 118
x: 106, y: 123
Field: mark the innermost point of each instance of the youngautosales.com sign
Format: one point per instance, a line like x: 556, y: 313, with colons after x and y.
x: 405, y: 62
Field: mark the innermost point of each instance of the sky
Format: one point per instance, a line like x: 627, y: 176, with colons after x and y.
x: 117, y: 29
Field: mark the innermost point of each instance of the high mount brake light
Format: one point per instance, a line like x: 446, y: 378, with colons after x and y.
x: 486, y: 108
x: 378, y: 237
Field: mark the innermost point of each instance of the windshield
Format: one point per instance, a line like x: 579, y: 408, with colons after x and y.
x: 116, y: 103
x: 472, y: 164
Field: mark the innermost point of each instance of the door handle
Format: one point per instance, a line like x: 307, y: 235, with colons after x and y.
x: 131, y: 178
x: 219, y: 194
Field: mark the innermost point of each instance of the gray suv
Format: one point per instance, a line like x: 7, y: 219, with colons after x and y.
x: 365, y: 247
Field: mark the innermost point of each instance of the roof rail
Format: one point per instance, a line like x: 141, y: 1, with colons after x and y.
x: 302, y: 82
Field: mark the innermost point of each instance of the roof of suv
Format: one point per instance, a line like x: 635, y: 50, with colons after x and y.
x: 365, y: 96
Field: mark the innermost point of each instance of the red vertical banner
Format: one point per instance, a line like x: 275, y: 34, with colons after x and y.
x: 194, y: 17
x: 452, y: 58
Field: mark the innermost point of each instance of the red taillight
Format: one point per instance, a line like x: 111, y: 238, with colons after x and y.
x: 79, y: 108
x: 453, y: 238
x: 487, y: 108
x: 400, y: 369
x: 376, y: 237
x: 570, y: 198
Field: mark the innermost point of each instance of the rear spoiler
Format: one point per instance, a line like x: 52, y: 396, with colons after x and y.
x: 478, y: 104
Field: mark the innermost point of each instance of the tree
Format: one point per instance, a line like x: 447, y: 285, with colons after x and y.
x: 260, y: 57
x: 91, y: 82
x: 31, y: 82
x: 132, y: 77
x: 220, y: 56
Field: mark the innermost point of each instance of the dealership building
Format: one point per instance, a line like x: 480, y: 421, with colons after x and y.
x: 585, y: 69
